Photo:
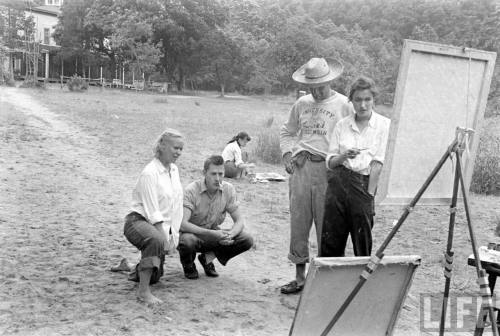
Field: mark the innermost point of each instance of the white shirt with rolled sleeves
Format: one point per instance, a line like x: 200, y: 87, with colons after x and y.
x: 310, y: 124
x: 158, y: 196
x: 372, y: 142
x: 232, y: 152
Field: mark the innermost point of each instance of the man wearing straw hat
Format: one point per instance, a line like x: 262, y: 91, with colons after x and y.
x: 304, y: 142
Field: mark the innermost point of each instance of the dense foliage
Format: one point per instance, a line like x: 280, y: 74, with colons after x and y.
x: 253, y: 46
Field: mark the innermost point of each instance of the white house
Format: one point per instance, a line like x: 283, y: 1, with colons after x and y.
x: 45, y: 19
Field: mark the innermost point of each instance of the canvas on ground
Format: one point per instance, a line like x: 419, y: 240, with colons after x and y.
x: 374, y: 309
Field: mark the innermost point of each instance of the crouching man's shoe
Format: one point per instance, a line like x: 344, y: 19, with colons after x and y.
x: 208, y: 267
x: 190, y: 271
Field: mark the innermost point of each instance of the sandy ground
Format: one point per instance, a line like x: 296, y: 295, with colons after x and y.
x: 64, y: 192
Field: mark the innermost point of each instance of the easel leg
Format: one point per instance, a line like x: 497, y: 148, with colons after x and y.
x: 449, y: 253
x: 486, y: 308
x: 481, y: 273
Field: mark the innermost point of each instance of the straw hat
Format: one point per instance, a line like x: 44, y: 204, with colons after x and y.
x: 318, y: 71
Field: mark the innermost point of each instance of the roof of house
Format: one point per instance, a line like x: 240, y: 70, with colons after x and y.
x: 51, y: 10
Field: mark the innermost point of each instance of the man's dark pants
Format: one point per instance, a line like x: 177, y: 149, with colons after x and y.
x: 189, y: 244
x: 349, y: 209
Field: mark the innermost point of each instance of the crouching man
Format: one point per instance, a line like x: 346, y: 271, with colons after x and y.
x: 206, y: 202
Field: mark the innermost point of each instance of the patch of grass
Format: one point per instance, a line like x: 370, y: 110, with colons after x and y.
x: 161, y: 100
x: 267, y: 146
x: 486, y: 175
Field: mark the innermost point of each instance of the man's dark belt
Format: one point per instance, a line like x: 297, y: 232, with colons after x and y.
x: 344, y: 170
x: 315, y: 158
x: 301, y: 158
x: 311, y: 157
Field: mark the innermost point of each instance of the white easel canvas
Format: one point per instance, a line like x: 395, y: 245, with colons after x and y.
x: 439, y: 88
x: 373, y: 311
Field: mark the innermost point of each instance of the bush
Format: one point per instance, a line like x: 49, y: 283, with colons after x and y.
x: 31, y: 82
x: 486, y: 175
x: 7, y: 79
x: 77, y: 83
x: 267, y: 147
x: 10, y: 82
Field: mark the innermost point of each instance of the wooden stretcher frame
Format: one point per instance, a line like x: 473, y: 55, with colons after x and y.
x: 306, y: 316
x: 394, y: 190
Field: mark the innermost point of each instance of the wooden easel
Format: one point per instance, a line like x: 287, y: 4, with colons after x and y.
x: 456, y: 148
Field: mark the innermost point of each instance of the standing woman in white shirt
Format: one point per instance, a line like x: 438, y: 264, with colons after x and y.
x: 355, y: 159
x: 156, y: 214
x: 234, y: 166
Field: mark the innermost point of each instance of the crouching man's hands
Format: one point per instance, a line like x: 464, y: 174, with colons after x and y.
x: 228, y: 239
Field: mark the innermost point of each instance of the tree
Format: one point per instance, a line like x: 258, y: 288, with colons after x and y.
x: 424, y: 32
x: 80, y: 42
x: 183, y: 24
x: 15, y: 27
x: 222, y: 58
x: 131, y: 39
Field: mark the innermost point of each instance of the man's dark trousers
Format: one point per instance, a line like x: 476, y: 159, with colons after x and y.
x: 349, y: 209
x: 190, y: 244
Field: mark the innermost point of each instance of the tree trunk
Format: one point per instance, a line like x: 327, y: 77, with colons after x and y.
x: 11, y: 66
x: 27, y: 61
x: 181, y: 80
x: 219, y: 79
x: 35, y: 61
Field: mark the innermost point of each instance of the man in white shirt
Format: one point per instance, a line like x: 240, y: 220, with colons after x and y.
x: 355, y: 157
x: 304, y: 141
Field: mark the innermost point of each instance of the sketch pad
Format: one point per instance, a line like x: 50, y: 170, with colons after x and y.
x: 375, y: 308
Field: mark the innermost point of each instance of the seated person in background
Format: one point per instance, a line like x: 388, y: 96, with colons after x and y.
x: 206, y: 202
x: 234, y: 166
x: 156, y: 214
x: 355, y: 157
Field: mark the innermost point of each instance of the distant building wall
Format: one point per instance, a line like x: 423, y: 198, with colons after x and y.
x: 44, y: 27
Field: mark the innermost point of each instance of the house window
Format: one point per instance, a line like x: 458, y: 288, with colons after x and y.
x: 46, y: 35
x: 17, y: 64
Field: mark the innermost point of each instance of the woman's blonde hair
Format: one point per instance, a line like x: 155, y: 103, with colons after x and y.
x: 167, y: 135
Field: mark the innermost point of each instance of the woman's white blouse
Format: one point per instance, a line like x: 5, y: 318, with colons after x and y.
x: 158, y: 197
x: 372, y: 142
x: 232, y: 152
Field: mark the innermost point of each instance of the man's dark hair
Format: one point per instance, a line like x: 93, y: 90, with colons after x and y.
x: 363, y: 83
x: 215, y: 160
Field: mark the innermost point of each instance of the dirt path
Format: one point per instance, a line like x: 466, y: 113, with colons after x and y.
x: 61, y: 210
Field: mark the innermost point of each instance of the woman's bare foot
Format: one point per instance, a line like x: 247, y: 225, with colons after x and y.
x: 148, y: 298
x: 123, y: 266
